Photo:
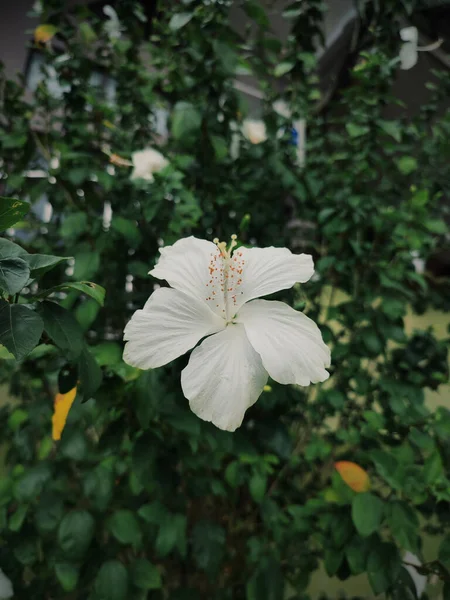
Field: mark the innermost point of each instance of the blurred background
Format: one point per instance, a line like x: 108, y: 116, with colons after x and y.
x: 322, y: 126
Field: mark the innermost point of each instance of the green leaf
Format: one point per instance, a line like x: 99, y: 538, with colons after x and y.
x: 356, y: 553
x: 11, y: 211
x: 67, y: 575
x: 74, y: 225
x: 20, y: 328
x: 111, y: 582
x: 62, y: 327
x: 18, y: 517
x: 86, y: 264
x: 30, y: 485
x: 186, y: 120
x: 179, y: 20
x: 444, y: 552
x: 9, y: 249
x: 220, y: 147
x: 404, y: 526
x: 257, y: 486
x: 172, y: 534
x: 125, y: 527
x: 87, y: 287
x: 90, y: 374
x: 407, y: 164
x: 98, y: 487
x: 332, y: 561
x: 86, y: 313
x: 49, y: 512
x: 75, y: 533
x: 107, y: 353
x: 127, y: 229
x: 392, y: 128
x: 283, y: 68
x: 14, y: 274
x: 41, y: 263
x: 208, y: 541
x: 74, y: 445
x: 256, y: 12
x: 383, y: 567
x: 144, y: 575
x: 267, y: 582
x: 367, y: 513
x: 354, y: 130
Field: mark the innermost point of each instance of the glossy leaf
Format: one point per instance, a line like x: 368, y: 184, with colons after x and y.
x: 41, y: 263
x: 14, y: 274
x: 111, y: 582
x: 11, y: 211
x: 62, y: 327
x: 20, y: 328
x: 87, y: 287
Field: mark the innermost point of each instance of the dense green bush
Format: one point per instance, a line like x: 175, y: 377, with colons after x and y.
x: 140, y: 498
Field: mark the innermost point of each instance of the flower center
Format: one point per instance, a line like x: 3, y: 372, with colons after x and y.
x: 225, y: 270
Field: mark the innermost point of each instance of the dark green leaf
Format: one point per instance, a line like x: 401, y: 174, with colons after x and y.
x: 172, y: 534
x: 383, y: 567
x: 29, y: 486
x: 20, y: 328
x: 186, y: 120
x: 125, y: 527
x: 41, y: 263
x: 257, y: 486
x: 62, y: 327
x: 9, y: 249
x: 67, y: 575
x: 89, y: 373
x: 87, y: 287
x: 14, y: 274
x: 11, y: 211
x: 111, y: 582
x: 75, y: 533
x: 144, y: 575
x: 208, y: 540
x: 127, y: 229
x: 18, y: 517
x: 367, y: 513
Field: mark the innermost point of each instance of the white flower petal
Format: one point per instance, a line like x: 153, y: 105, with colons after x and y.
x: 408, y: 55
x: 265, y: 271
x: 420, y: 581
x: 409, y: 34
x: 186, y: 267
x: 146, y: 162
x: 224, y: 377
x: 170, y: 324
x: 290, y: 344
x: 254, y: 130
x: 6, y: 589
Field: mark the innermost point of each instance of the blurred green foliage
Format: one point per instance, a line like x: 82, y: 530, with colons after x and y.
x: 141, y: 499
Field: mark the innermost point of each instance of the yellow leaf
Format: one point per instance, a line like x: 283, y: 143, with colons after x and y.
x: 62, y: 405
x: 44, y: 33
x: 353, y: 475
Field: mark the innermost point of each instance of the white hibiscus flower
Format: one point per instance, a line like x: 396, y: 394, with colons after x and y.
x: 6, y: 589
x: 214, y: 291
x: 254, y: 130
x: 146, y: 162
x: 410, y: 48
